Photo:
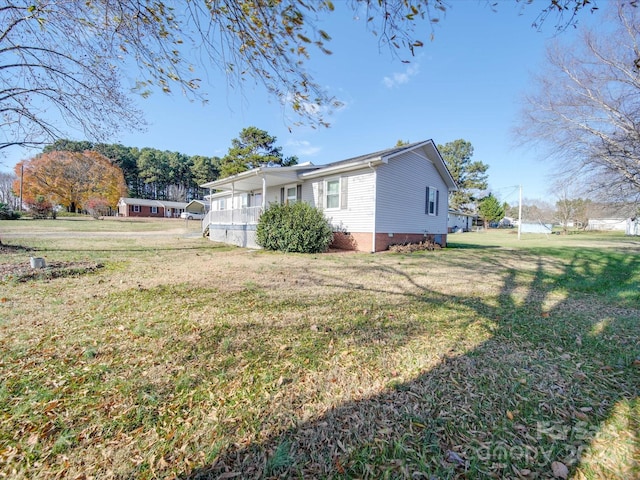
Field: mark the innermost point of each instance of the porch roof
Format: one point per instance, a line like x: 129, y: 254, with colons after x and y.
x: 252, y: 179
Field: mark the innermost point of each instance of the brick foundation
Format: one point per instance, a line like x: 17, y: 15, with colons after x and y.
x: 361, y: 241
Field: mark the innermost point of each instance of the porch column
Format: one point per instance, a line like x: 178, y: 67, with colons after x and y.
x: 233, y: 192
x: 264, y: 193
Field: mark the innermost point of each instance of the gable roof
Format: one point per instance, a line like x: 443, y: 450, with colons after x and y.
x: 383, y: 156
x: 150, y: 203
x: 252, y: 179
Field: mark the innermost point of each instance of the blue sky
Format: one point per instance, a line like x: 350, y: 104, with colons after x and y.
x: 467, y: 83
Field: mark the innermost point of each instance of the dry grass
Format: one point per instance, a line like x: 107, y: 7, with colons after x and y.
x: 185, y: 359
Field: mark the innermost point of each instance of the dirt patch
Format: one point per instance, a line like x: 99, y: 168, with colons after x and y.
x: 24, y: 272
x: 13, y: 248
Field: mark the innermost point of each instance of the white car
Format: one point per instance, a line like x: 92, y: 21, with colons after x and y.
x: 192, y: 215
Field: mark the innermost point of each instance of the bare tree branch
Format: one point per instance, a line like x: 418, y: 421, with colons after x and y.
x: 586, y: 108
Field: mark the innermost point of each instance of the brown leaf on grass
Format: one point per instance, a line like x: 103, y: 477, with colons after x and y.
x: 510, y: 415
x: 559, y: 470
x: 581, y: 416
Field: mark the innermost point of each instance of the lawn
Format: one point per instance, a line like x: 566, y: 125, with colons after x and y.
x: 146, y: 351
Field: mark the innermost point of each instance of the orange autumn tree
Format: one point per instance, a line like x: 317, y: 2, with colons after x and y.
x: 71, y: 179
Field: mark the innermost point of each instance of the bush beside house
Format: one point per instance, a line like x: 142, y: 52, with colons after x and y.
x: 294, y: 227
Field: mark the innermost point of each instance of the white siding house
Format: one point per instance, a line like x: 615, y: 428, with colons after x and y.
x: 399, y: 195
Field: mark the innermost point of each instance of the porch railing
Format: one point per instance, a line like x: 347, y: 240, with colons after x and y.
x: 237, y: 216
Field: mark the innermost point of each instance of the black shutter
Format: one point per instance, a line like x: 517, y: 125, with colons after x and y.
x: 282, y: 196
x: 299, y: 193
x: 437, y: 201
x: 426, y: 203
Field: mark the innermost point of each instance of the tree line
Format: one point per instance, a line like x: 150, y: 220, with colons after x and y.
x: 75, y: 174
x: 151, y: 173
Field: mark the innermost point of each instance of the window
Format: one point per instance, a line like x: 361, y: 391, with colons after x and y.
x: 221, y: 204
x: 154, y: 209
x: 333, y: 194
x: 291, y: 194
x: 432, y: 201
x: 136, y: 209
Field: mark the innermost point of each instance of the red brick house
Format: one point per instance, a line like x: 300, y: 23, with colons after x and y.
x: 139, y: 207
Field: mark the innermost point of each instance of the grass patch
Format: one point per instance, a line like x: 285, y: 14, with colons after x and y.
x: 192, y: 360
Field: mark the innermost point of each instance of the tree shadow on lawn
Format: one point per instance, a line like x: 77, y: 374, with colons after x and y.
x: 526, y: 403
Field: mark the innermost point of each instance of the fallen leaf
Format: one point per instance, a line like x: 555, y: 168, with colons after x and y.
x: 453, y: 457
x: 581, y: 416
x: 559, y: 470
x: 32, y: 440
x: 509, y: 414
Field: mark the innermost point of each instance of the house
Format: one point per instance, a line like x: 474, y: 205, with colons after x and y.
x: 460, y: 221
x: 608, y: 224
x: 140, y: 207
x: 399, y: 195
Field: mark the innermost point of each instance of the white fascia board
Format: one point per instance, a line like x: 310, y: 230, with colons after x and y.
x: 332, y: 170
x: 290, y: 173
x: 217, y: 184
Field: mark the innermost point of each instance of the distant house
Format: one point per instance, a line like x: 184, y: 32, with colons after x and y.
x: 531, y: 227
x: 607, y: 224
x: 399, y: 195
x: 460, y: 221
x: 139, y: 207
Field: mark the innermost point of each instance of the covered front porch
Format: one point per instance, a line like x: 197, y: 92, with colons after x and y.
x: 236, y: 202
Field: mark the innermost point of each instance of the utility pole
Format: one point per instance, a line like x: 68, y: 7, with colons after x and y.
x: 21, y: 183
x: 520, y: 212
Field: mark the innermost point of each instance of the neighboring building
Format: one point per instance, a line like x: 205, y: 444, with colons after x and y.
x: 196, y: 206
x: 399, y: 195
x: 139, y: 207
x: 607, y: 224
x: 460, y: 221
x: 536, y: 227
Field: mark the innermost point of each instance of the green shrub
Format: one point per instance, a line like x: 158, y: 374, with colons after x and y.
x: 7, y: 214
x: 294, y: 227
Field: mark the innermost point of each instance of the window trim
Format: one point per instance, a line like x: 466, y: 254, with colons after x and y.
x: 136, y: 208
x: 287, y: 198
x: 337, y: 194
x: 431, y: 207
x: 154, y: 210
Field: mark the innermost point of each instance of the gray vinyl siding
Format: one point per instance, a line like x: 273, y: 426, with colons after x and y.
x: 357, y: 214
x: 401, y: 196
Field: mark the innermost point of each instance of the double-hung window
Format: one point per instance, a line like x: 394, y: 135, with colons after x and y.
x: 136, y: 208
x: 291, y: 194
x: 432, y: 201
x: 333, y: 194
x: 154, y: 210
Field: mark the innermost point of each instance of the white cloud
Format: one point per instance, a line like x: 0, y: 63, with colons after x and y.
x: 303, y: 148
x: 400, y: 78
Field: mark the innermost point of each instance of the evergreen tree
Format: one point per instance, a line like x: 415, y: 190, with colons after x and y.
x: 469, y: 176
x: 254, y: 148
x: 490, y: 209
